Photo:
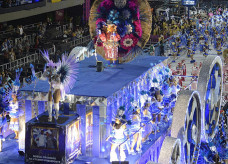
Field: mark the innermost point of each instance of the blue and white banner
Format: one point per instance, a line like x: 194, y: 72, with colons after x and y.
x: 189, y: 2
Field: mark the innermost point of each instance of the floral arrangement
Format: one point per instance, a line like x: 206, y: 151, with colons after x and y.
x: 127, y: 20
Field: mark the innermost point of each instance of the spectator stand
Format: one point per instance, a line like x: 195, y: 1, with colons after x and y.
x: 36, y: 56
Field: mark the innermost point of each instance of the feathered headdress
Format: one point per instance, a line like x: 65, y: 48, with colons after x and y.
x: 16, y: 82
x: 68, y: 70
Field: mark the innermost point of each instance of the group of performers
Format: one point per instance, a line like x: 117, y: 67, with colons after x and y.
x: 213, y: 31
x: 131, y: 127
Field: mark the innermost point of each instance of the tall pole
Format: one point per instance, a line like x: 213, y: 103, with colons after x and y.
x: 188, y: 13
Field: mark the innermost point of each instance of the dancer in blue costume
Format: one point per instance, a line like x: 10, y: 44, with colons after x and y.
x: 157, y: 105
x: 175, y: 51
x: 118, y: 136
x: 201, y: 43
x: 205, y: 50
x: 218, y: 45
x: 178, y: 45
x: 189, y: 47
x: 193, y: 52
x: 175, y: 88
x: 136, y: 130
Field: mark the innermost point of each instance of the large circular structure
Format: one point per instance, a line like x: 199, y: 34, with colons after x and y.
x: 210, y: 89
x: 133, y: 19
x: 186, y: 125
x: 171, y: 151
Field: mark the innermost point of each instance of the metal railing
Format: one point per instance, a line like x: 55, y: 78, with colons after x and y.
x: 30, y: 38
x: 20, y: 62
x: 36, y: 56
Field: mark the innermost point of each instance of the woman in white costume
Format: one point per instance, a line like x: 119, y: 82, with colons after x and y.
x: 118, y: 136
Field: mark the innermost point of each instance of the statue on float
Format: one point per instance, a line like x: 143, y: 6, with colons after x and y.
x: 110, y: 39
x: 119, y: 28
x: 61, y: 77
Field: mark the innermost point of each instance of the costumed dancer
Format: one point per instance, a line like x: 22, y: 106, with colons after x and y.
x: 201, y: 42
x: 54, y: 91
x: 184, y: 69
x: 207, y: 37
x: 110, y: 39
x: 14, y: 108
x: 179, y: 68
x: 166, y: 100
x: 178, y: 46
x: 195, y: 73
x: 14, y: 115
x: 174, y: 89
x: 218, y: 45
x: 175, y: 51
x: 157, y: 104
x: 223, y: 35
x: 136, y: 130
x: 205, y: 50
x: 118, y: 136
x: 189, y: 47
x: 121, y: 115
x: 192, y: 58
x: 61, y: 77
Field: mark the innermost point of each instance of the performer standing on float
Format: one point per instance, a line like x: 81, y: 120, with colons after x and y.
x: 136, y: 130
x: 54, y: 92
x: 61, y: 77
x: 14, y: 108
x: 118, y: 136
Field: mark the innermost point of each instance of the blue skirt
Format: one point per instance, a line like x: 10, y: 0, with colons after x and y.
x: 117, y: 141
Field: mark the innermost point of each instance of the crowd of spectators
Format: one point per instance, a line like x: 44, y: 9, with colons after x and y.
x: 16, y: 45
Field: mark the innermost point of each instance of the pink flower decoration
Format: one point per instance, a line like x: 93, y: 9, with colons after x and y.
x: 128, y: 41
x: 138, y: 28
x: 107, y: 4
x: 132, y: 5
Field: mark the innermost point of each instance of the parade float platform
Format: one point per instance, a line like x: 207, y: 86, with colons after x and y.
x: 96, y: 96
x: 105, y: 83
